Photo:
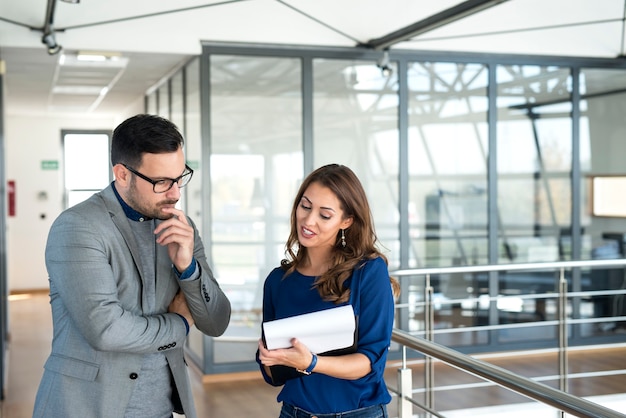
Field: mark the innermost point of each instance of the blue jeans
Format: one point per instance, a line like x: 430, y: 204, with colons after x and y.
x: 375, y: 411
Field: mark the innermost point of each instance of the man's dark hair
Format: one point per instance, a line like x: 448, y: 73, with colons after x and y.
x: 143, y: 134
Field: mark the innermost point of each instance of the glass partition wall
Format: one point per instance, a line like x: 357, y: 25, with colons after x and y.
x: 602, y: 148
x: 355, y: 123
x: 534, y: 189
x: 466, y: 161
x: 255, y: 169
x: 447, y: 164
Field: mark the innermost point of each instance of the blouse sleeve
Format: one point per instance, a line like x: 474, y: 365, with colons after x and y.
x: 268, y: 315
x: 376, y: 313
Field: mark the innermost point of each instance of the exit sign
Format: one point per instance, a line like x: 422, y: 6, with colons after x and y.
x: 49, y: 165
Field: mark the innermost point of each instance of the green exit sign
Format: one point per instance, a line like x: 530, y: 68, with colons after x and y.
x: 49, y: 165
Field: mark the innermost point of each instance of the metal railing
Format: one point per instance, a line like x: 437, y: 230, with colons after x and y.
x: 557, y: 398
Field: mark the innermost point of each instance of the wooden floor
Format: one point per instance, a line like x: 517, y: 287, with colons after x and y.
x: 30, y: 331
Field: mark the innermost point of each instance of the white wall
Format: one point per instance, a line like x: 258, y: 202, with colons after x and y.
x: 29, y: 141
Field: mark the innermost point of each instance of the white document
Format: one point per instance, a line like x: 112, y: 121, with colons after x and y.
x: 321, y: 331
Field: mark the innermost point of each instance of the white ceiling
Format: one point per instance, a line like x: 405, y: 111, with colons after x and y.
x: 156, y: 36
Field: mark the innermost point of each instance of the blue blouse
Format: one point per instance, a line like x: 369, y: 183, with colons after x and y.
x: 373, y: 303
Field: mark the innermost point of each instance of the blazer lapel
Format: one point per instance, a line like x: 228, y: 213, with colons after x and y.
x: 163, y: 281
x: 121, y: 222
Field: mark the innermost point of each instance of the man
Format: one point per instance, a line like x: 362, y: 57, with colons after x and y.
x: 128, y: 277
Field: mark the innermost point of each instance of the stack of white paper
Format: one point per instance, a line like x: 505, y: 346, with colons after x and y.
x: 321, y: 331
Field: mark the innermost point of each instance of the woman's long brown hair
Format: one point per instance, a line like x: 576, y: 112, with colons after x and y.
x: 360, y: 237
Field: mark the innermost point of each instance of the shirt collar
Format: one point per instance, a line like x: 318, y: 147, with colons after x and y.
x: 130, y: 213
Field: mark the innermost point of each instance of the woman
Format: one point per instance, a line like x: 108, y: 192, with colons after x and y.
x: 332, y: 260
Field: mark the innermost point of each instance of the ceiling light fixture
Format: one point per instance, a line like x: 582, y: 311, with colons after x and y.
x: 50, y: 41
x: 91, y: 57
x: 383, y: 64
x: 71, y: 1
x: 48, y: 37
x: 98, y: 56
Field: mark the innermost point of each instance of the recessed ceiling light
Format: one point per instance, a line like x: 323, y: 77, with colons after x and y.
x: 96, y: 55
x: 90, y: 57
x: 94, y: 59
x: 78, y: 90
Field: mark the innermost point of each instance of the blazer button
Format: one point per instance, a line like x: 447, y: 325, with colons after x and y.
x: 133, y: 376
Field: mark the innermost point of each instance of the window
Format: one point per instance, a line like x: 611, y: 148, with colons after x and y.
x: 87, y: 167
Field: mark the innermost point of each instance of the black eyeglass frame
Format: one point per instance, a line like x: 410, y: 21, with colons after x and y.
x: 188, y: 172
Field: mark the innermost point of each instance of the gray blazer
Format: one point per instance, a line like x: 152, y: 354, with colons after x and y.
x: 101, y: 331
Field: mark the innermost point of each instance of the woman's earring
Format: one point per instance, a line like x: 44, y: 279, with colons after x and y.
x: 343, y: 239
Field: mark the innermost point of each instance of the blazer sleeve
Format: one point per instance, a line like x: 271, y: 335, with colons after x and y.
x: 207, y: 302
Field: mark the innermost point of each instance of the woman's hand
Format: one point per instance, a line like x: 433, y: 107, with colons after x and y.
x: 298, y: 355
x: 350, y: 366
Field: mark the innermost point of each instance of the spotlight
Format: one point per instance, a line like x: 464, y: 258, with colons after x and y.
x: 54, y: 50
x: 383, y: 64
x: 49, y: 40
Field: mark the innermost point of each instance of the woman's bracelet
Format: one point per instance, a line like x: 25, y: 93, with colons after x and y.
x: 309, y: 369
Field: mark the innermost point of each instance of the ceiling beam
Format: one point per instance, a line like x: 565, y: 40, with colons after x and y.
x: 460, y: 11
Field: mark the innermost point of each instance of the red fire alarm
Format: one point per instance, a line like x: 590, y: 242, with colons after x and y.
x: 11, y: 197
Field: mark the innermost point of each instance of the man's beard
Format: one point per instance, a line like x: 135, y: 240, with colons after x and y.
x: 151, y: 212
x: 160, y: 215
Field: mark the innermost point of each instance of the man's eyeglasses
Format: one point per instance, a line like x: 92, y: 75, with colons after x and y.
x: 164, y: 184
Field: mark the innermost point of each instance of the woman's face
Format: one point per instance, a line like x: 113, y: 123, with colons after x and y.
x: 319, y: 217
